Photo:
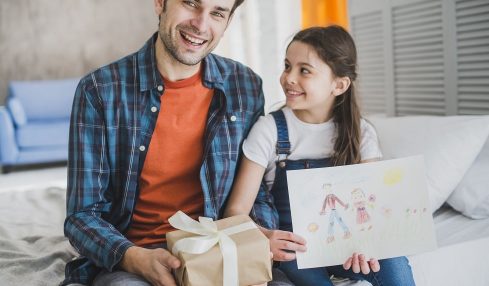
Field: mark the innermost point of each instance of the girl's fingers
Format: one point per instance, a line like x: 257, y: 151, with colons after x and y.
x: 363, y: 264
x: 374, y: 264
x: 347, y: 264
x: 355, y: 267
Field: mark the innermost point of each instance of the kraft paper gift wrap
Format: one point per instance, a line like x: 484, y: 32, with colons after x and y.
x: 227, y: 252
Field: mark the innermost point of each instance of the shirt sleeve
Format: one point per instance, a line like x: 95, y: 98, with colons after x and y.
x: 88, y: 193
x: 369, y: 146
x: 259, y: 146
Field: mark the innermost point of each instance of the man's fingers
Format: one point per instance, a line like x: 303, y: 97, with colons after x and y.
x: 167, y: 259
x: 364, y: 267
x: 165, y: 277
x: 374, y: 264
x: 355, y: 267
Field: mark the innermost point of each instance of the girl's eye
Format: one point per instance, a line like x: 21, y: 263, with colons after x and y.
x: 305, y: 71
x: 286, y: 66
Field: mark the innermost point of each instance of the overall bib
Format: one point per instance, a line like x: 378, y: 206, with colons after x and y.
x: 393, y: 271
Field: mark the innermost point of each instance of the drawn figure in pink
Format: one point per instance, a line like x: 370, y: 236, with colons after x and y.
x: 360, y: 203
x: 330, y: 204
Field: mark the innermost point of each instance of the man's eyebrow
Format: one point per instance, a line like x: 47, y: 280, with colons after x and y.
x: 222, y: 9
x: 218, y: 8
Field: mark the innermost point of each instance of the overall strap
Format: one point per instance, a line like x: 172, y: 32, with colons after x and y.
x: 283, y: 143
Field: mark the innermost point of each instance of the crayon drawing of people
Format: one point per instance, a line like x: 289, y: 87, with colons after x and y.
x: 360, y: 203
x: 330, y: 204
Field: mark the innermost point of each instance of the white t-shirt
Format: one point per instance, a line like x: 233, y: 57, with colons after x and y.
x: 308, y: 141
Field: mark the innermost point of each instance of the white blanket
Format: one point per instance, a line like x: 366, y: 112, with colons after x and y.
x: 33, y: 250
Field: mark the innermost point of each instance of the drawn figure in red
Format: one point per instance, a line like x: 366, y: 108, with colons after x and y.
x: 330, y: 204
x: 360, y: 203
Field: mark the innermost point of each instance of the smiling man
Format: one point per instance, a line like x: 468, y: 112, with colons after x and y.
x: 153, y: 133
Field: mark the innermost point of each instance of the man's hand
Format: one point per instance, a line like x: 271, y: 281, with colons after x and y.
x: 153, y: 264
x: 357, y: 263
x: 282, y: 243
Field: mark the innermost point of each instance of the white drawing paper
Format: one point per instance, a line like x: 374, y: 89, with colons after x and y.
x: 380, y: 209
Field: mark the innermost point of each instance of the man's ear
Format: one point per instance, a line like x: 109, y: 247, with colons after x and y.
x: 342, y: 85
x: 159, y: 6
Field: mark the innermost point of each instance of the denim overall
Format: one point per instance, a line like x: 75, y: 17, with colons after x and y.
x: 393, y: 271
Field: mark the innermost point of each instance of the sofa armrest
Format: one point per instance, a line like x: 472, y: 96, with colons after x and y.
x: 8, y: 147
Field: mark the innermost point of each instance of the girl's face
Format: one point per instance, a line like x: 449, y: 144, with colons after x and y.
x: 308, y: 83
x: 357, y: 196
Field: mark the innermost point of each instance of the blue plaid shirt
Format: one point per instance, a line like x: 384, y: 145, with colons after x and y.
x: 112, y: 122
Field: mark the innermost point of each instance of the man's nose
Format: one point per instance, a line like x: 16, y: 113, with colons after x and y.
x: 200, y: 23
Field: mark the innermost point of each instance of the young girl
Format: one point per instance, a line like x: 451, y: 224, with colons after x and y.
x: 320, y: 126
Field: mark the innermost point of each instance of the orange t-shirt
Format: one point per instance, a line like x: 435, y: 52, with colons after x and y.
x: 170, y: 177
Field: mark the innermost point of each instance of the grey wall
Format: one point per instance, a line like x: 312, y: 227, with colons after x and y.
x: 51, y: 39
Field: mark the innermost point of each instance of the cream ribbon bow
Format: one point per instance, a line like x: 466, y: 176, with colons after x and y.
x: 208, y: 237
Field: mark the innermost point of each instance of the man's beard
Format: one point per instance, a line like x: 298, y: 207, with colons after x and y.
x: 170, y: 46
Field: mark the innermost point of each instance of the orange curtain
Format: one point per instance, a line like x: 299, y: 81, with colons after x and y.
x: 324, y: 12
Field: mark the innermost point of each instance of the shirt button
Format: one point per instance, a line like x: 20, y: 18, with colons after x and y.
x: 160, y: 88
x: 232, y: 118
x: 142, y: 148
x: 154, y: 109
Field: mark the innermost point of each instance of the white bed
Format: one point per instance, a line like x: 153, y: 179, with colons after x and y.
x: 33, y: 250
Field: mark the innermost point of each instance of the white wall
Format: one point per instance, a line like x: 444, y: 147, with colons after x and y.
x: 52, y: 39
x: 257, y: 37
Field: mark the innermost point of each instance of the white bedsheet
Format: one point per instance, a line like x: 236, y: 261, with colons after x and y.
x: 31, y: 223
x: 462, y: 254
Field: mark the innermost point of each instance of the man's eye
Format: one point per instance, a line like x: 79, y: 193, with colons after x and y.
x: 219, y: 14
x: 191, y: 4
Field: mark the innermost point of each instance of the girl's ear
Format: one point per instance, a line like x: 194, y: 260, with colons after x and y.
x: 342, y: 84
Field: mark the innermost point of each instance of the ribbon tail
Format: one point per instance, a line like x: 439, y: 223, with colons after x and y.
x: 230, y: 261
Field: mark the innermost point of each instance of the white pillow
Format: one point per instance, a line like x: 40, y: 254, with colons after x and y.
x: 471, y: 197
x: 449, y: 144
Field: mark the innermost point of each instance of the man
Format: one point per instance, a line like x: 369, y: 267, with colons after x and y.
x: 156, y: 132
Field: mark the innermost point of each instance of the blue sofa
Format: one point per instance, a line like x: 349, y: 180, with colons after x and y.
x: 34, y: 123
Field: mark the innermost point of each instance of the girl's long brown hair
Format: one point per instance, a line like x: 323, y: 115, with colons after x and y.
x: 336, y: 48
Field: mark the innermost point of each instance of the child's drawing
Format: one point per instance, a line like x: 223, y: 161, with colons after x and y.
x: 380, y: 209
x: 329, y: 206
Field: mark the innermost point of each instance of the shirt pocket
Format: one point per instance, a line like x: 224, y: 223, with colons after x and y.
x: 230, y: 134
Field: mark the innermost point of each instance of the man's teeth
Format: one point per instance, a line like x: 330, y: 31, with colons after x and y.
x: 192, y: 40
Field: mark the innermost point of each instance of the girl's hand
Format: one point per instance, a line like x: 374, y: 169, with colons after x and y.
x: 283, y: 244
x: 357, y: 263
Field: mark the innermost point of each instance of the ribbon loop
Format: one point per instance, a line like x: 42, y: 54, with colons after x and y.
x: 209, y: 236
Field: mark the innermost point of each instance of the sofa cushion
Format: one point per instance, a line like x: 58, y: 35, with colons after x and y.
x: 46, y: 99
x: 449, y: 144
x: 17, y: 111
x: 43, y: 134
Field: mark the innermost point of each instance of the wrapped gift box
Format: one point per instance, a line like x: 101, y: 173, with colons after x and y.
x: 206, y: 269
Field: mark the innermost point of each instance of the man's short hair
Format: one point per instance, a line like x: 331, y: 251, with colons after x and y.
x: 236, y: 5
